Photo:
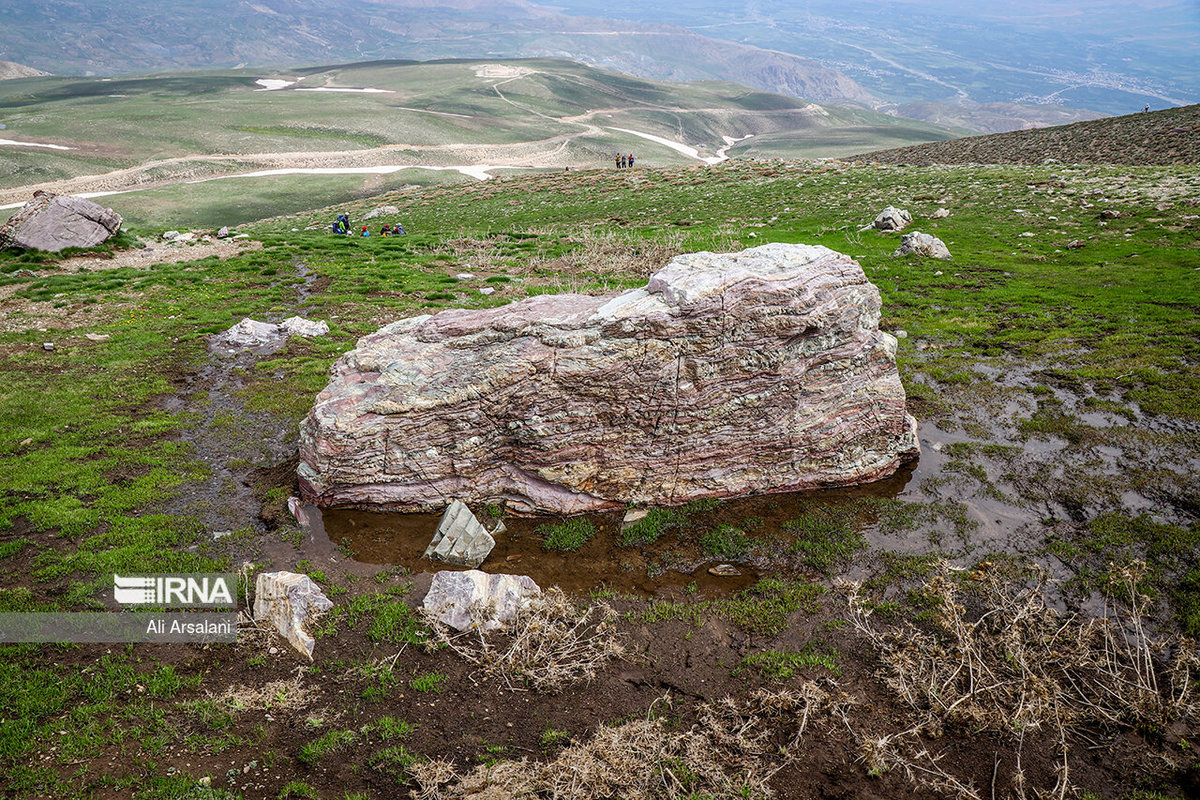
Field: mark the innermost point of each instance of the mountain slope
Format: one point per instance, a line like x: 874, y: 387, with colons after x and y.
x: 1160, y: 137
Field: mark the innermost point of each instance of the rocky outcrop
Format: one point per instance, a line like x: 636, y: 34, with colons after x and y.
x: 290, y: 601
x: 922, y: 244
x: 466, y: 600
x: 52, y: 222
x: 752, y: 372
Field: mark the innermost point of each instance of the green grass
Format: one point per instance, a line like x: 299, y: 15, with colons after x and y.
x: 428, y: 682
x: 331, y: 742
x: 650, y: 528
x: 726, y: 542
x: 823, y: 540
x: 763, y: 609
x: 779, y: 665
x: 568, y: 535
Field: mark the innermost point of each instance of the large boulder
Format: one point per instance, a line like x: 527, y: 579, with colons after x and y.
x: 53, y: 222
x: 751, y: 372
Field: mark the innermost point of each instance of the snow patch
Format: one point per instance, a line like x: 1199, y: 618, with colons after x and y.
x: 11, y: 143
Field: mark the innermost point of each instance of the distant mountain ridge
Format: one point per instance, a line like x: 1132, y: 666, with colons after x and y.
x: 1156, y: 138
x: 137, y: 36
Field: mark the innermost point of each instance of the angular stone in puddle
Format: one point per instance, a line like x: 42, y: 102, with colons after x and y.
x: 727, y: 374
x: 460, y: 538
x: 495, y: 599
x: 290, y: 601
x: 724, y: 571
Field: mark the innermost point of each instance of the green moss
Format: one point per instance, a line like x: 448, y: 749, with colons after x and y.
x: 567, y: 535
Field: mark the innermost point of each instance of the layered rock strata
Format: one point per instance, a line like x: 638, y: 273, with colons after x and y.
x: 742, y: 373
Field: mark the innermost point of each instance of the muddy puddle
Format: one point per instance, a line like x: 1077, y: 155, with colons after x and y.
x: 675, y: 565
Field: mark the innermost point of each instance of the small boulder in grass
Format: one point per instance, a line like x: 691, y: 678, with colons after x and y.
x: 922, y: 244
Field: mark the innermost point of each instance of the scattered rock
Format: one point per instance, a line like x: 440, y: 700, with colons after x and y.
x: 52, y: 222
x: 290, y: 601
x: 922, y: 244
x: 724, y: 571
x: 901, y: 334
x: 381, y: 211
x: 24, y: 273
x: 26, y: 442
x: 1075, y: 244
x: 97, y: 337
x: 1110, y: 213
x: 486, y: 290
x: 170, y: 236
x: 223, y: 233
x: 779, y: 343
x: 465, y: 276
x: 299, y: 326
x: 1026, y: 235
x: 941, y: 213
x: 892, y: 219
x: 460, y: 538
x: 250, y: 334
x: 220, y: 534
x: 498, y: 598
x: 47, y: 345
x: 633, y: 515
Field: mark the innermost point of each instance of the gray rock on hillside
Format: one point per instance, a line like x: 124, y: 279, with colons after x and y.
x: 892, y: 219
x: 250, y: 334
x: 299, y: 326
x: 381, y: 211
x: 54, y: 222
x: 290, y: 601
x: 732, y: 374
x: 465, y: 600
x: 460, y: 538
x: 922, y: 244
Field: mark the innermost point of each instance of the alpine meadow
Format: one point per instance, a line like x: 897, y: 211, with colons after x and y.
x: 599, y: 402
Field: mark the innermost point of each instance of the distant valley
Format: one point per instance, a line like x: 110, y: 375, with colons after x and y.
x: 165, y: 147
x: 946, y: 65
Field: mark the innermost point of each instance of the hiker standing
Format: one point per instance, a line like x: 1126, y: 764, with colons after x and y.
x: 631, y: 160
x: 618, y: 160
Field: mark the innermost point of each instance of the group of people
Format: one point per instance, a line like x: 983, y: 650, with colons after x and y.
x: 624, y: 161
x: 342, y: 225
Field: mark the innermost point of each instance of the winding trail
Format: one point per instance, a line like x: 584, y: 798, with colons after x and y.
x: 479, y: 161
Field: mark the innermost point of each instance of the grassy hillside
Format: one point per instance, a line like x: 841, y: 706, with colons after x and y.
x: 1053, y: 365
x: 1159, y: 137
x: 159, y: 134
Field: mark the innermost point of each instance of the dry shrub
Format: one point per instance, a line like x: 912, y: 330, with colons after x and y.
x: 733, y: 751
x: 281, y: 694
x: 609, y: 252
x: 550, y: 645
x: 1018, y: 666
